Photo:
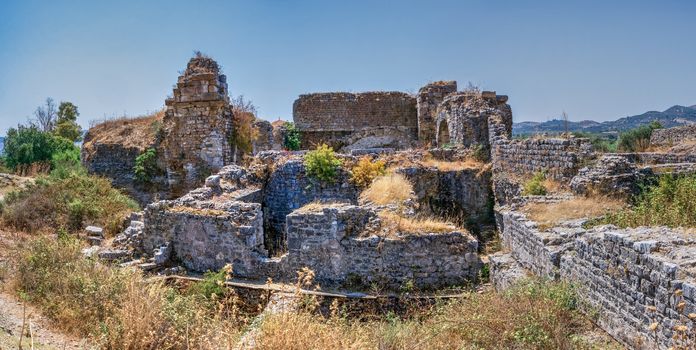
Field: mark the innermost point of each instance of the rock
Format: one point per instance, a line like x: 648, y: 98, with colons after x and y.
x: 94, y: 231
x: 114, y: 254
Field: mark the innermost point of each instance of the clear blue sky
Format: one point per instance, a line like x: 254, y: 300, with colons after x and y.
x: 594, y: 59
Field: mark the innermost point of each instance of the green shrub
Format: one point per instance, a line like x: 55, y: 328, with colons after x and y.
x: 638, y: 139
x: 668, y: 203
x: 322, y: 163
x: 600, y: 143
x: 65, y: 163
x: 291, y: 140
x: 213, y: 284
x: 67, y: 200
x: 27, y: 145
x: 535, y: 186
x: 146, y: 166
x: 367, y: 170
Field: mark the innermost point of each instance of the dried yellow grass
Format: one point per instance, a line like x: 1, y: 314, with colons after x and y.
x: 388, y: 189
x: 138, y: 132
x: 319, y: 205
x: 454, y: 165
x: 551, y: 214
x: 394, y: 224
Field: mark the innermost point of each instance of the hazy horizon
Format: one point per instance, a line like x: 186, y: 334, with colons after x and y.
x: 590, y: 59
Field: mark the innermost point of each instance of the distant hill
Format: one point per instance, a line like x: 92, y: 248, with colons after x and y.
x: 673, y: 116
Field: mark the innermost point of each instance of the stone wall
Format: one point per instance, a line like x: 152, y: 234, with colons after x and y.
x: 333, y: 118
x: 197, y: 126
x: 463, y: 117
x: 324, y: 240
x: 560, y: 158
x: 619, y: 273
x: 289, y: 188
x: 428, y: 98
x: 673, y: 136
x: 459, y: 195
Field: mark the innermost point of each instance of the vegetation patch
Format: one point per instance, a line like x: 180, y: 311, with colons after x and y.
x: 69, y: 200
x: 388, y: 189
x: 291, y: 139
x: 394, y: 225
x: 322, y: 163
x: 367, y: 169
x: 536, y: 185
x: 549, y: 215
x: 637, y: 139
x: 146, y: 168
x: 670, y: 202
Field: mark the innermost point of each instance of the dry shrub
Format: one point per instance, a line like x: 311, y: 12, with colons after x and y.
x: 388, y: 189
x: 139, y: 132
x: 367, y: 169
x: 534, y: 315
x: 116, y: 307
x: 551, y: 214
x: 394, y: 224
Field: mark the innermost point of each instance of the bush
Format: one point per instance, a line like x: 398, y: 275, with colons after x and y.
x: 291, y: 139
x: 668, y: 203
x: 146, y: 166
x: 535, y: 186
x: 599, y: 143
x: 322, y: 163
x: 389, y: 189
x: 367, y: 170
x: 67, y: 200
x: 638, y: 139
x: 27, y: 145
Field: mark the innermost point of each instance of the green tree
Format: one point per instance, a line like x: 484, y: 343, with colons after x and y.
x: 28, y: 144
x: 637, y: 139
x: 66, y: 122
x: 291, y: 140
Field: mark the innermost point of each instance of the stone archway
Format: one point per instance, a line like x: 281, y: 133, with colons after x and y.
x: 443, y: 136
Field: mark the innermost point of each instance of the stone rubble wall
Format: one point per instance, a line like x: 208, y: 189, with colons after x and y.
x: 289, y: 188
x: 460, y: 195
x: 332, y: 118
x: 673, y: 136
x: 463, y: 118
x: 618, y: 272
x: 428, y: 99
x: 658, y: 158
x: 324, y: 241
x: 560, y: 158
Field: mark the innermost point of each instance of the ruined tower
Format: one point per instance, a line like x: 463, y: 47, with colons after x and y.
x: 463, y: 118
x: 428, y: 98
x: 197, y: 126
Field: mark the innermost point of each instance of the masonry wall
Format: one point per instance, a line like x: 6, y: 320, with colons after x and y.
x: 673, y: 136
x: 324, y: 241
x: 619, y: 273
x: 560, y: 158
x: 333, y: 117
x: 428, y: 98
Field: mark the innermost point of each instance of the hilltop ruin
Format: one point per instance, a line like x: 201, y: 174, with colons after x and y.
x: 268, y: 218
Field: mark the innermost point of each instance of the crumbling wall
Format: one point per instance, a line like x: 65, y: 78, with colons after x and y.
x: 197, y: 126
x: 289, y: 188
x: 621, y: 274
x: 332, y: 118
x: 462, y: 118
x: 428, y: 99
x: 324, y: 241
x: 459, y: 195
x: 560, y: 158
x: 673, y: 136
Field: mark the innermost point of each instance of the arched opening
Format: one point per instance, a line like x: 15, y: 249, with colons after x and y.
x: 443, y: 136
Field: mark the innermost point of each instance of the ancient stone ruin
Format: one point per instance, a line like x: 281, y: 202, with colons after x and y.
x: 268, y: 218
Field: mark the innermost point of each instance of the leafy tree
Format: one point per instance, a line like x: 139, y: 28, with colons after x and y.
x: 146, y: 166
x: 66, y: 122
x: 291, y: 140
x: 28, y: 144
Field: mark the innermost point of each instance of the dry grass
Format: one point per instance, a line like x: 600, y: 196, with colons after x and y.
x: 116, y: 307
x: 443, y: 165
x: 551, y: 214
x: 388, y: 189
x: 138, y: 132
x: 394, y: 224
x: 197, y: 211
x: 535, y: 315
x: 319, y: 205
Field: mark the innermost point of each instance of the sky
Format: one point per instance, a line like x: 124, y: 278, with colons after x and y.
x: 598, y: 60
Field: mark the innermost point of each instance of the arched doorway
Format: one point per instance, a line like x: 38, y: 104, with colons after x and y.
x: 443, y: 136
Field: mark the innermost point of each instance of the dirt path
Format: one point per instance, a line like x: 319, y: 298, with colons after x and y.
x: 44, y: 337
